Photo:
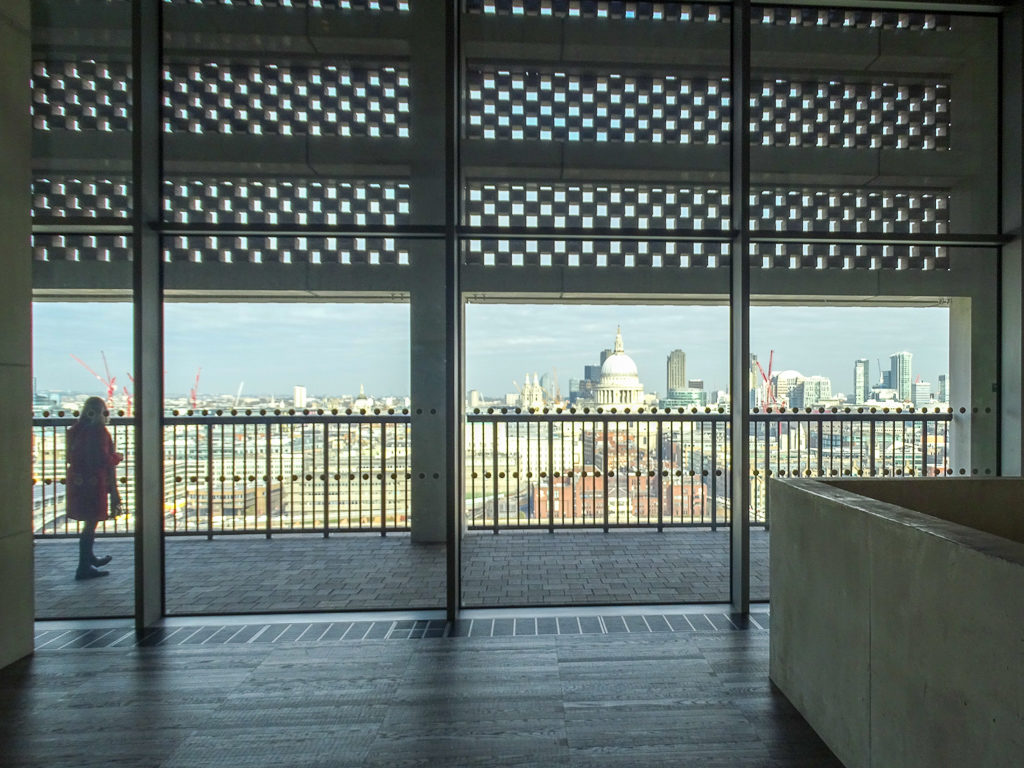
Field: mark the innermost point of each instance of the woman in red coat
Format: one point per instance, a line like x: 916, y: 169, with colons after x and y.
x: 91, y: 481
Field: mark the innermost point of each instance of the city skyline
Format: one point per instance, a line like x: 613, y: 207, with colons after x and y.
x: 274, y: 347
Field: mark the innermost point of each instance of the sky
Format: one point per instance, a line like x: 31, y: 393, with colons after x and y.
x: 332, y: 349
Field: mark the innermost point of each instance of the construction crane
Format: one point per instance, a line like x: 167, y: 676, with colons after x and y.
x: 767, y: 379
x: 109, y: 383
x: 193, y: 394
x: 128, y: 396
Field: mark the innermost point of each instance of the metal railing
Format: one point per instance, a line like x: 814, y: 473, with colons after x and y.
x: 317, y: 472
x: 265, y: 473
x: 663, y: 469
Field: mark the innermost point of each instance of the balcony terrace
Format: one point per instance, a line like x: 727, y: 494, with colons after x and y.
x: 297, y: 573
x: 262, y: 510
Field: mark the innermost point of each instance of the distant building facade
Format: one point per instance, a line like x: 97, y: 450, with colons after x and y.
x: 861, y: 381
x: 675, y: 370
x: 811, y: 391
x: 900, y: 377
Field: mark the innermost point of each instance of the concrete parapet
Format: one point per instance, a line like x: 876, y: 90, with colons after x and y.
x: 898, y: 632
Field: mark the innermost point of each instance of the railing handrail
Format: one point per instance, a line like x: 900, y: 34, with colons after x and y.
x: 846, y: 415
x: 229, y: 418
x: 512, y: 415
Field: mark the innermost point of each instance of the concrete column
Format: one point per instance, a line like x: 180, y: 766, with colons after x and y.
x: 430, y: 336
x: 1012, y: 277
x: 973, y: 326
x: 974, y: 322
x: 17, y: 596
x: 147, y: 295
x: 428, y: 503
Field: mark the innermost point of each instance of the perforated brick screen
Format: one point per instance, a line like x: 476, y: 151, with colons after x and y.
x: 326, y: 202
x: 595, y: 253
x: 709, y: 13
x: 284, y: 250
x: 66, y: 196
x: 84, y: 95
x: 104, y: 248
x: 646, y: 206
x: 561, y: 106
x: 328, y: 100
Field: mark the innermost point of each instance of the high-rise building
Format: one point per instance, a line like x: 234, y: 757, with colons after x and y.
x: 861, y: 381
x: 605, y: 354
x: 783, y: 382
x: 299, y: 397
x: 695, y: 384
x: 675, y: 370
x: 885, y: 379
x: 811, y: 391
x: 593, y: 372
x: 922, y: 393
x: 943, y: 388
x: 900, y: 377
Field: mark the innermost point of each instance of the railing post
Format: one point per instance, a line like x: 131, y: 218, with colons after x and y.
x: 551, y: 477
x: 821, y: 434
x: 871, y: 445
x: 604, y: 473
x: 327, y: 480
x: 657, y: 477
x: 383, y: 479
x: 714, y: 474
x: 494, y: 467
x: 209, y: 478
x: 924, y: 447
x: 767, y: 469
x: 270, y: 478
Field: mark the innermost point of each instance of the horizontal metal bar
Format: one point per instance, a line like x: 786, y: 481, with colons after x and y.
x: 867, y: 238
x: 910, y: 6
x: 563, y: 417
x: 704, y: 417
x: 387, y: 418
x: 276, y: 531
x: 54, y: 225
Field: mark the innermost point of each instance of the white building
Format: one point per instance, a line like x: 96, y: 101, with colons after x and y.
x: 620, y: 385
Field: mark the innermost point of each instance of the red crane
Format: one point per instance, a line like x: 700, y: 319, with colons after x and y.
x: 109, y: 383
x: 767, y: 377
x: 193, y: 393
x: 128, y: 396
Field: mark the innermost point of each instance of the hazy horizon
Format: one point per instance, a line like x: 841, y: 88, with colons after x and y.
x: 332, y: 349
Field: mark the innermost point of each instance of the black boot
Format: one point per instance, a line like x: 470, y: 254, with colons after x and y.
x: 86, y: 568
x: 90, y: 572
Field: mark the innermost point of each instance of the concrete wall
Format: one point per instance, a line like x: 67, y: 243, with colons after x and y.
x: 990, y: 504
x: 897, y: 635
x: 16, y: 598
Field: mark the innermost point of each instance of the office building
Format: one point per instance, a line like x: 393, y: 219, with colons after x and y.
x: 900, y: 376
x: 921, y: 394
x: 861, y: 381
x: 675, y: 370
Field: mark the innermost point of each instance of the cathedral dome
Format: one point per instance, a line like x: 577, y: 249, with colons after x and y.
x: 620, y: 382
x: 619, y: 364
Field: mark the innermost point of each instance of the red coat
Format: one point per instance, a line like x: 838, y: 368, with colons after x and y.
x: 91, y: 458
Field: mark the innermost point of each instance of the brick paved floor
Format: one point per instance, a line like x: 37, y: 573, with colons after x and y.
x: 243, y: 574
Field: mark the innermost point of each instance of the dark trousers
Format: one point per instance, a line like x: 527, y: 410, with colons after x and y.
x: 85, y: 542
